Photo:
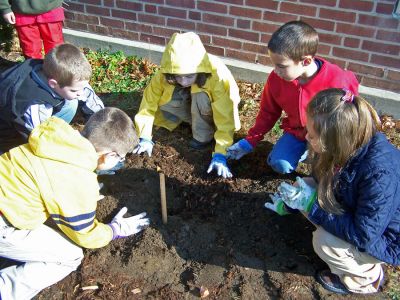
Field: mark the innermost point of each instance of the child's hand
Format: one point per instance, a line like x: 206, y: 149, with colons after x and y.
x: 123, y: 227
x: 239, y: 149
x: 145, y: 145
x: 277, y: 205
x: 9, y: 18
x: 299, y: 196
x: 218, y: 163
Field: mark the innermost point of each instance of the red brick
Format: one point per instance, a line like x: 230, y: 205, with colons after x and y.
x: 380, y: 21
x: 237, y: 2
x: 244, y: 24
x: 220, y: 20
x: 206, y: 39
x: 341, y: 63
x: 182, y: 24
x: 72, y: 6
x: 130, y: 5
x: 384, y: 8
x: 101, y: 11
x: 215, y: 50
x: 182, y: 3
x: 165, y: 32
x: 75, y: 25
x: 111, y: 22
x: 246, y: 56
x: 350, y: 54
x: 172, y: 12
x: 357, y: 5
x: 264, y: 27
x: 154, y: 1
x: 381, y: 48
x: 211, y: 29
x: 393, y: 75
x: 109, y: 3
x: 339, y: 15
x: 258, y: 48
x: 381, y: 84
x: 214, y: 7
x: 262, y: 59
x: 138, y: 27
x: 98, y: 29
x: 122, y: 33
x: 123, y: 14
x: 265, y: 38
x: 330, y: 38
x: 273, y: 5
x: 296, y: 9
x: 245, y: 35
x: 351, y: 42
x: 151, y: 19
x: 355, y: 30
x: 151, y: 9
x: 319, y: 24
x: 385, y: 61
x: 365, y: 69
x: 320, y: 2
x: 227, y: 43
x: 279, y: 17
x: 151, y: 39
x: 86, y: 19
x: 391, y: 36
x: 194, y: 15
x: 324, y: 49
x: 245, y: 12
x: 93, y: 2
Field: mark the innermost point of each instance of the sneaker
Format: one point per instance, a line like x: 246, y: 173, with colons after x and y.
x: 195, y: 144
x: 331, y: 282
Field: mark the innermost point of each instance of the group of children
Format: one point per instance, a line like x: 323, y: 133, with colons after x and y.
x: 353, y: 196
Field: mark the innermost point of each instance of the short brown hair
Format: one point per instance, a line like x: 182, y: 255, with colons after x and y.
x: 111, y: 129
x: 200, y: 80
x: 66, y: 63
x: 294, y: 40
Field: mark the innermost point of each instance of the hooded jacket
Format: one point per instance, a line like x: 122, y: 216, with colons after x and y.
x: 292, y: 98
x: 53, y: 176
x: 368, y: 189
x: 185, y: 54
x: 29, y: 7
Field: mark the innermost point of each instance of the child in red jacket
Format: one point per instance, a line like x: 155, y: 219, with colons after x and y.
x: 298, y: 75
x: 38, y: 24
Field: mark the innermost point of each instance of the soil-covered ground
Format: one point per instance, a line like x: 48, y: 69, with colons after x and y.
x: 219, y: 238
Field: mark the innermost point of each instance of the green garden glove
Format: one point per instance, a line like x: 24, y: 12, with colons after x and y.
x: 300, y: 197
x: 277, y: 205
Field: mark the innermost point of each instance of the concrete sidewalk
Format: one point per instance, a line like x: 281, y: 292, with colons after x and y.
x: 385, y: 102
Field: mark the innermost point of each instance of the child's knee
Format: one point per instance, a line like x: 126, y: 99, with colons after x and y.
x: 281, y: 166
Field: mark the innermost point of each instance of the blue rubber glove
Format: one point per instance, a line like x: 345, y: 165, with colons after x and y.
x: 111, y: 171
x: 218, y: 163
x: 144, y: 145
x: 123, y: 227
x: 300, y: 197
x: 239, y: 149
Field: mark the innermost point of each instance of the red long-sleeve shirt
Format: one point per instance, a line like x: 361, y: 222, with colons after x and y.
x: 292, y: 97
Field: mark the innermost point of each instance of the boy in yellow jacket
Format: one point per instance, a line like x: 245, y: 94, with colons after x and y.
x: 195, y: 87
x: 53, y: 177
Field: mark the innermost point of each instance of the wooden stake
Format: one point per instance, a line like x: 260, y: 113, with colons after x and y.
x: 163, y: 198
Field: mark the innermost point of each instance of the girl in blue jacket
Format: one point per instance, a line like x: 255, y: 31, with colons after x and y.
x: 357, y: 180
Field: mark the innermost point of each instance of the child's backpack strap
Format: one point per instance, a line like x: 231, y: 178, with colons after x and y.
x: 11, y: 80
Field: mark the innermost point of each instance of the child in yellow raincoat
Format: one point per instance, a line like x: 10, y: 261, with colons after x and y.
x: 195, y: 87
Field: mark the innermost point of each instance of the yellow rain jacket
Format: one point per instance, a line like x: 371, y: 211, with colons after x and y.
x: 53, y: 176
x: 185, y: 54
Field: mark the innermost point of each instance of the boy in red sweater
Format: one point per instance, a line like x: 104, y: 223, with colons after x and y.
x: 297, y: 76
x: 38, y: 24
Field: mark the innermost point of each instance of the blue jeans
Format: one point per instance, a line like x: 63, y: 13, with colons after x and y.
x: 68, y: 110
x: 287, y: 153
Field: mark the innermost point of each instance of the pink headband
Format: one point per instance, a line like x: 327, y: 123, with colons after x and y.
x: 348, y: 96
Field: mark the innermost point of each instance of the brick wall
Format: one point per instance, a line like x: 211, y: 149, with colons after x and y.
x: 360, y: 35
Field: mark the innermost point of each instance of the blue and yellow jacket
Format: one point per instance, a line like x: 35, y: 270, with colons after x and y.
x: 53, y: 176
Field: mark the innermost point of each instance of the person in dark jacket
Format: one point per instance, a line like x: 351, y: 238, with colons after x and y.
x: 357, y: 180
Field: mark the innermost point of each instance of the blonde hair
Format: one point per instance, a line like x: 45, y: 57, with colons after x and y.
x: 111, y: 129
x: 344, y: 124
x: 66, y: 63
